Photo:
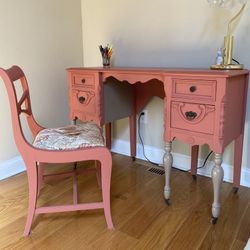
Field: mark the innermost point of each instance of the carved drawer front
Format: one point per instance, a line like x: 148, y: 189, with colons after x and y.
x: 83, y: 101
x: 193, y: 117
x: 194, y: 89
x: 83, y: 80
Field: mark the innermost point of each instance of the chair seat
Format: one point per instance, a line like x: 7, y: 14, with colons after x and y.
x: 87, y: 134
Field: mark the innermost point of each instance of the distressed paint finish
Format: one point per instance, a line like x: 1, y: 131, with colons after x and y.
x: 35, y: 157
x: 201, y: 106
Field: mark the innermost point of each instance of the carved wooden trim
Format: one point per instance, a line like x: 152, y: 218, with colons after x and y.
x: 88, y: 95
x: 222, y: 117
x: 204, y: 110
x: 132, y: 79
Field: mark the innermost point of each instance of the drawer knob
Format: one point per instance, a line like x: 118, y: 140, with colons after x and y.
x: 192, y: 89
x: 190, y: 115
x: 83, y: 80
x: 81, y: 99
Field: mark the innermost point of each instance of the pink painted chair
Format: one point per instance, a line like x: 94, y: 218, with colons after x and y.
x: 60, y: 145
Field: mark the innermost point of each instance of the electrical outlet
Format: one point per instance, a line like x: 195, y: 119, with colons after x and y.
x: 144, y: 117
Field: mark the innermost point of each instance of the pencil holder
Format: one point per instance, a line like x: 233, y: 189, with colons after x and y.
x: 106, y: 53
x: 106, y: 61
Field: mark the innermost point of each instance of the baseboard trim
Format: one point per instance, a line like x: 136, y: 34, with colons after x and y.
x: 16, y: 165
x: 181, y: 161
x: 11, y: 167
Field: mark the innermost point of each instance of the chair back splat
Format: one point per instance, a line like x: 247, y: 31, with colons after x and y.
x: 68, y: 144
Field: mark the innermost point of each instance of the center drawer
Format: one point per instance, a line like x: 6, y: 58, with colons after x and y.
x: 194, y: 89
x: 193, y: 117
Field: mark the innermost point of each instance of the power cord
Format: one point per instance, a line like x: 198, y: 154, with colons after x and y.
x: 156, y: 164
x: 141, y: 141
x: 205, y: 161
x: 235, y: 61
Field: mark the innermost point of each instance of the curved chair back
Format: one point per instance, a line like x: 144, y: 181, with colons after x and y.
x: 22, y: 106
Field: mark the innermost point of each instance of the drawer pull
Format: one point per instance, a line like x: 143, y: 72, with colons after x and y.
x: 81, y: 99
x: 83, y: 80
x: 190, y: 115
x: 192, y: 89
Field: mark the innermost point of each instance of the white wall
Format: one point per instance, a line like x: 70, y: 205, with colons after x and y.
x: 43, y: 37
x: 162, y: 33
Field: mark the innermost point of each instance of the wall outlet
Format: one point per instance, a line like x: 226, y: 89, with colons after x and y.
x: 144, y: 117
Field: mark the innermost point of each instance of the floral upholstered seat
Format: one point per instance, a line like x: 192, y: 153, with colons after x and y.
x: 87, y: 134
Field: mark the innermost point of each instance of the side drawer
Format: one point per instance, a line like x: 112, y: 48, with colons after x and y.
x: 194, y: 89
x: 83, y: 101
x: 83, y: 80
x: 193, y: 117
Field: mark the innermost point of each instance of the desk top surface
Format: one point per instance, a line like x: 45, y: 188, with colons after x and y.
x: 169, y: 71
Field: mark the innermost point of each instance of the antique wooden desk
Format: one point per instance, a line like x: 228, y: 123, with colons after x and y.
x: 200, y: 107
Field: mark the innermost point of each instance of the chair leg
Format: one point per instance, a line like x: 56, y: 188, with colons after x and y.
x: 33, y: 186
x: 40, y: 177
x: 75, y: 192
x: 106, y: 167
x: 98, y: 173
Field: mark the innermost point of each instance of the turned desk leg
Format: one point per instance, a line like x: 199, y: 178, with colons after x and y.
x: 217, y: 177
x: 168, y: 162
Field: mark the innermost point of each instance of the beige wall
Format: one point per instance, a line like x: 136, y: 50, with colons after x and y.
x: 162, y: 33
x: 43, y: 37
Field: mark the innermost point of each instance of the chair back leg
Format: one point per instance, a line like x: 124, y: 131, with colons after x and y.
x: 98, y: 173
x: 33, y: 188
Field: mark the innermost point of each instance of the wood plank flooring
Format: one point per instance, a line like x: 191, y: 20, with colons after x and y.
x: 141, y: 217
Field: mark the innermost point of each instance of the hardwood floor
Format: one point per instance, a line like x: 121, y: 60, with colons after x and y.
x: 141, y: 217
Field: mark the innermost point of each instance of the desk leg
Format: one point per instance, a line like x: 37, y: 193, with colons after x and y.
x: 194, y: 160
x: 217, y: 177
x: 108, y: 135
x: 167, y: 162
x: 238, y: 147
x: 132, y: 127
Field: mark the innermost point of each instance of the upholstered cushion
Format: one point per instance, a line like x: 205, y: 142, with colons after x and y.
x: 87, y: 134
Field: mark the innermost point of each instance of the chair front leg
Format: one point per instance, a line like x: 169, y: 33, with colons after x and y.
x: 106, y: 168
x: 33, y: 188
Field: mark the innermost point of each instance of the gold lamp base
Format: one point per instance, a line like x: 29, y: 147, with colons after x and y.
x: 228, y: 66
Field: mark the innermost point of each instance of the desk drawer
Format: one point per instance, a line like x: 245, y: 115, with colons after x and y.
x: 83, y: 80
x: 194, y: 89
x: 83, y: 101
x: 193, y: 117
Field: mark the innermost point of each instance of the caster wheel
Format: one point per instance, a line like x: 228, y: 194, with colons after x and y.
x: 168, y: 202
x: 214, y: 220
x: 235, y: 190
x: 194, y: 177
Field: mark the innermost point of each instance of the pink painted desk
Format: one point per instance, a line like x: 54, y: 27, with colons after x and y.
x: 200, y: 107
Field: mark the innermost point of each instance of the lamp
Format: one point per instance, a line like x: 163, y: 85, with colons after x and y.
x: 227, y: 51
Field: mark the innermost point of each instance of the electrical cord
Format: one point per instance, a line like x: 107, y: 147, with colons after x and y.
x: 141, y: 141
x: 156, y: 164
x: 235, y: 61
x: 205, y: 161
